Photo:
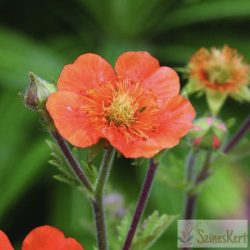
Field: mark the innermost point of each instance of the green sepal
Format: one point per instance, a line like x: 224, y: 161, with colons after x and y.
x: 215, y: 101
x: 191, y: 87
x: 242, y: 94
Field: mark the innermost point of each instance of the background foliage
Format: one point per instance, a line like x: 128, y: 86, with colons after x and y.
x: 42, y: 36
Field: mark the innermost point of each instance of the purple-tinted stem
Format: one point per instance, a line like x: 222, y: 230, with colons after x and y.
x: 141, y: 204
x: 192, y: 198
x: 190, y: 164
x: 238, y: 135
x: 104, y: 172
x: 72, y: 161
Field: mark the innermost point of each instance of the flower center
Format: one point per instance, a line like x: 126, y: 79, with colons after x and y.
x: 218, y: 74
x: 124, y: 104
x: 122, y: 110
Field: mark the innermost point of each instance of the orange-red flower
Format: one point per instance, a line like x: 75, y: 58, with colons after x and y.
x: 222, y: 70
x: 4, y: 242
x: 41, y: 238
x: 219, y: 73
x: 136, y: 107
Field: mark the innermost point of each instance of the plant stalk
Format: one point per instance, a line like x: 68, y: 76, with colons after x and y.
x: 141, y: 204
x: 203, y: 175
x: 238, y: 135
x: 71, y: 160
x: 97, y: 202
x: 192, y: 196
x: 190, y: 164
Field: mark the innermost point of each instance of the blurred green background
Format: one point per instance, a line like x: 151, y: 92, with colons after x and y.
x: 43, y: 36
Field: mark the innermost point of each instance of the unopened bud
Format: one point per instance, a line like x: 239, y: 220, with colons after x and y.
x: 38, y: 92
x: 208, y: 133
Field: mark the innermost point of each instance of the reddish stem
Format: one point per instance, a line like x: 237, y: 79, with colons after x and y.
x: 141, y: 203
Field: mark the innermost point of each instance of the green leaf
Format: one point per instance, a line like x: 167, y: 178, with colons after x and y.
x: 123, y: 228
x: 23, y: 176
x: 171, y: 168
x: 203, y: 11
x: 60, y: 163
x: 90, y: 171
x: 20, y: 54
x: 119, y: 233
x: 151, y: 229
x: 225, y: 180
x: 67, y: 180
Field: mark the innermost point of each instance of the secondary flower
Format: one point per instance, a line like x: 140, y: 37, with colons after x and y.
x: 43, y: 238
x: 219, y: 73
x: 136, y: 107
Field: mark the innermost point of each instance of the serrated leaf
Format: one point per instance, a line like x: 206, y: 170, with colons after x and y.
x: 60, y: 163
x: 88, y: 162
x: 118, y: 234
x: 151, y: 229
x: 124, y: 227
x: 171, y: 168
x: 90, y: 171
x: 66, y: 180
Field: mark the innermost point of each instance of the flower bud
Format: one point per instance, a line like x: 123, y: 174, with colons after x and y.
x: 208, y: 133
x: 38, y: 92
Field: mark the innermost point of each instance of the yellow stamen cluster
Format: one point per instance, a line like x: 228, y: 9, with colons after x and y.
x: 124, y: 104
x: 219, y: 74
x: 122, y: 111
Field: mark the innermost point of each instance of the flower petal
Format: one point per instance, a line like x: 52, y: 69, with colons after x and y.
x: 4, y: 242
x: 136, y: 66
x: 174, y: 121
x: 85, y: 73
x: 131, y: 149
x: 72, y: 244
x: 49, y: 238
x: 71, y: 122
x: 164, y: 82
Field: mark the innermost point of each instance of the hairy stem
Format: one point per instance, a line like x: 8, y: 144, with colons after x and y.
x: 203, y: 175
x: 72, y: 161
x: 97, y: 202
x: 141, y: 204
x: 190, y: 164
x: 192, y: 196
